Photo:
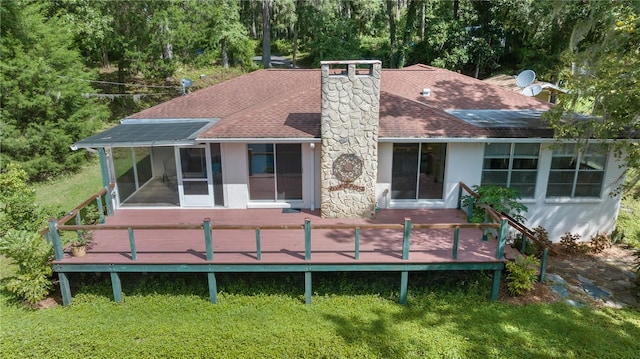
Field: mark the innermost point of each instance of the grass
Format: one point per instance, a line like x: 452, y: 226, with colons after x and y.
x: 353, y: 316
x: 68, y: 191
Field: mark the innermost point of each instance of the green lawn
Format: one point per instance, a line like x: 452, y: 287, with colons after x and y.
x: 352, y: 316
x: 68, y: 191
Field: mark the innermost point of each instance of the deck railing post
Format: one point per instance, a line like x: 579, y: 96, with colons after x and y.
x: 132, y: 244
x: 58, y: 253
x: 523, y: 246
x: 100, y: 209
x: 502, y: 238
x: 472, y: 201
x: 307, y: 239
x: 357, y: 249
x: 104, y: 168
x: 406, y: 238
x: 543, y: 264
x: 456, y: 237
x: 459, y: 204
x: 485, y: 234
x: 208, y: 240
x: 78, y: 223
x: 258, y: 247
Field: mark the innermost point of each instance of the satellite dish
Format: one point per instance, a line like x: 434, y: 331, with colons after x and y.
x: 186, y: 83
x: 532, y: 90
x: 525, y: 78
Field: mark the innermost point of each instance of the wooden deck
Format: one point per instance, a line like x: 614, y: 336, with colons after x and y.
x: 282, y: 245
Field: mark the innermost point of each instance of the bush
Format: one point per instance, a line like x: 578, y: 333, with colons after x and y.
x: 600, y: 242
x: 18, y: 209
x: 32, y: 255
x: 501, y: 199
x: 570, y: 244
x: 522, y: 274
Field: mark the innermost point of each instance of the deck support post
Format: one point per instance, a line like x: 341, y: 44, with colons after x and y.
x: 65, y: 288
x: 307, y: 239
x: 100, y: 209
x: 213, y: 287
x: 208, y: 241
x: 258, y: 247
x: 117, y: 287
x: 58, y: 253
x: 495, y: 287
x: 543, y: 264
x: 104, y: 169
x: 502, y: 238
x: 485, y: 235
x: 456, y: 238
x: 406, y: 238
x: 307, y: 287
x: 472, y: 201
x: 523, y: 246
x: 404, y: 282
x: 357, y: 249
x: 132, y: 244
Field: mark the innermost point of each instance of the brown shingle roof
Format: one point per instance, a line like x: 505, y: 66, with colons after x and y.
x: 286, y: 104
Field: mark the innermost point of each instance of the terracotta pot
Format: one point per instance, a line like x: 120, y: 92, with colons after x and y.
x: 78, y: 251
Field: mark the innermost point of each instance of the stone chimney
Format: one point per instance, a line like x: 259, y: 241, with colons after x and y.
x: 349, y: 154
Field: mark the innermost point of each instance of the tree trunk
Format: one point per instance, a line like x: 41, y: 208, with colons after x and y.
x: 225, y: 57
x: 456, y: 6
x: 391, y: 12
x: 423, y: 20
x: 105, y: 58
x: 266, y: 34
x: 254, y: 33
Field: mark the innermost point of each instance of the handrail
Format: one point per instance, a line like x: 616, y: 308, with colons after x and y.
x: 74, y: 212
x: 512, y: 221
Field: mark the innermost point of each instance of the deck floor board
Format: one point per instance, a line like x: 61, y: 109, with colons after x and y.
x: 329, y: 246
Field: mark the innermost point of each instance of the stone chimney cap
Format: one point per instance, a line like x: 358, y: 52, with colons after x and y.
x: 350, y: 62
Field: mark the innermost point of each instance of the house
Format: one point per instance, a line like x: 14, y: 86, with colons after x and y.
x: 350, y: 138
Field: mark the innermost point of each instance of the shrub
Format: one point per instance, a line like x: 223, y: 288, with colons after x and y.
x: 542, y: 235
x: 570, y: 244
x: 531, y: 249
x: 501, y: 199
x: 522, y: 274
x: 600, y: 242
x: 32, y: 255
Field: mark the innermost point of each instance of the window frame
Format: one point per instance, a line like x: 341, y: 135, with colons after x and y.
x: 509, y: 170
x: 578, y: 156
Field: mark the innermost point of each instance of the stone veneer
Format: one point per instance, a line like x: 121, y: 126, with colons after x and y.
x: 349, y: 153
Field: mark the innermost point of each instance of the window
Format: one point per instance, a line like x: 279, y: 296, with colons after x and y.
x: 418, y: 170
x: 576, y: 173
x: 275, y: 172
x: 513, y: 165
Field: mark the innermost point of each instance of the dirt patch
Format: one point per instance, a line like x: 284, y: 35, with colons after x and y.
x: 603, y: 279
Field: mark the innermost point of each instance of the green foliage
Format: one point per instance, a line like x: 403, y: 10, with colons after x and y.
x: 43, y: 81
x: 18, y: 210
x: 600, y: 242
x: 521, y: 275
x: 32, y: 255
x: 502, y: 199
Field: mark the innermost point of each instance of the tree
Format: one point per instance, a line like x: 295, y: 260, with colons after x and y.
x: 43, y: 82
x: 606, y: 86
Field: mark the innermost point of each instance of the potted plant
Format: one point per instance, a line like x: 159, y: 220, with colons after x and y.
x: 79, y: 245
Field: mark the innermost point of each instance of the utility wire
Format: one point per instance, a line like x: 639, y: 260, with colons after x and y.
x: 119, y: 83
